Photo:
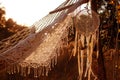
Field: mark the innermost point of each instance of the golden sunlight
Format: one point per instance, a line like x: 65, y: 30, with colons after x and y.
x: 26, y: 12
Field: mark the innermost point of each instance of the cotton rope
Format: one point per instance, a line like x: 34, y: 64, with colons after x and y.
x: 86, y: 23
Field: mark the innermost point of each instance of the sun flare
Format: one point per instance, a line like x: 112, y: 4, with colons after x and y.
x: 26, y: 12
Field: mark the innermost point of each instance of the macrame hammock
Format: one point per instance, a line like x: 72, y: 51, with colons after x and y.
x: 45, y: 56
x: 38, y: 53
x: 86, y: 22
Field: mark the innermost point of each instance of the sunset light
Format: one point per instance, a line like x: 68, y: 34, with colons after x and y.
x: 26, y: 12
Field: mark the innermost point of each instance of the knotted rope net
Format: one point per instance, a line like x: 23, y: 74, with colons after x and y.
x: 86, y: 23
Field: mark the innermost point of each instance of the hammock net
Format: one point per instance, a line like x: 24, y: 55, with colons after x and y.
x: 39, y: 51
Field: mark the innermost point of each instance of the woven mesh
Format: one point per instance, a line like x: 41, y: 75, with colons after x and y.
x: 87, y: 22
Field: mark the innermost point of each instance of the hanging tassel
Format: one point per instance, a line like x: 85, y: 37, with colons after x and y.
x: 43, y: 72
x: 97, y: 45
x: 28, y: 72
x: 75, y: 46
x: 35, y: 73
x: 52, y: 62
x: 56, y: 59
x: 39, y: 71
x: 49, y: 66
x: 79, y: 67
x: 90, y: 58
x: 79, y: 60
x: 18, y: 68
x: 58, y: 51
x: 61, y: 48
x: 14, y: 69
x: 21, y: 71
x: 47, y: 70
x: 8, y: 70
x: 82, y: 62
x: 25, y: 72
x: 88, y: 51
